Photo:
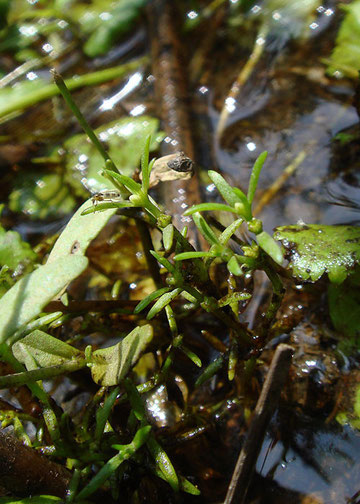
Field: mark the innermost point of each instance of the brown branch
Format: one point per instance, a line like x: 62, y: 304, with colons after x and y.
x: 24, y: 472
x: 264, y: 410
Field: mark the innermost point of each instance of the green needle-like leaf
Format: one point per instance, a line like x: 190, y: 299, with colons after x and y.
x: 150, y: 298
x: 205, y: 229
x: 215, y: 207
x: 224, y: 188
x: 162, y: 302
x: 145, y: 165
x: 254, y: 177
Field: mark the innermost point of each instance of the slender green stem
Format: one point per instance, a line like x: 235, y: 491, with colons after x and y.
x: 276, y: 298
x: 147, y: 245
x: 59, y: 81
x: 41, y: 374
x: 51, y: 90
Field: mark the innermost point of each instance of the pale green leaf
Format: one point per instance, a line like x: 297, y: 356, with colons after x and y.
x: 204, y: 207
x: 27, y: 298
x: 79, y: 232
x: 110, y: 365
x: 224, y: 188
x: 151, y: 297
x: 168, y: 237
x: 45, y: 349
x: 205, y: 229
x: 13, y: 250
x: 163, y: 301
x: 255, y: 174
x: 269, y: 245
x: 345, y: 58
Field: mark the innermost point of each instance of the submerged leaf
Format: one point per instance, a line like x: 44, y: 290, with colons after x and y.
x: 344, y: 307
x: 110, y: 365
x: 345, y: 57
x: 120, y: 20
x: 124, y: 140
x: 45, y: 349
x: 26, y: 299
x: 13, y: 250
x: 313, y: 250
x: 41, y: 196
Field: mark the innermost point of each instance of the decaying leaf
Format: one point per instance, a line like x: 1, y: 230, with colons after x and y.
x: 110, y: 365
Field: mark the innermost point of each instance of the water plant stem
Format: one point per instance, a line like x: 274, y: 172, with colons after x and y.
x: 51, y: 90
x: 34, y: 375
x: 59, y: 81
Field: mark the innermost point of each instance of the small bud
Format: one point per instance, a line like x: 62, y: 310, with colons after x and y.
x: 255, y: 226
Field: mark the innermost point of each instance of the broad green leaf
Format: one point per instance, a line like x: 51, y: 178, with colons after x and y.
x: 211, y: 370
x: 313, y: 250
x: 345, y: 57
x: 41, y: 196
x: 124, y: 141
x: 110, y: 365
x: 13, y: 250
x: 163, y: 301
x: 27, y: 298
x: 164, y: 262
x: 191, y: 355
x: 269, y: 245
x: 188, y: 487
x: 45, y: 349
x: 254, y: 177
x: 79, y: 232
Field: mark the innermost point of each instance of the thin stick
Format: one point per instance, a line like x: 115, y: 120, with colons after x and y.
x: 279, y: 182
x: 242, y: 78
x: 264, y: 410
